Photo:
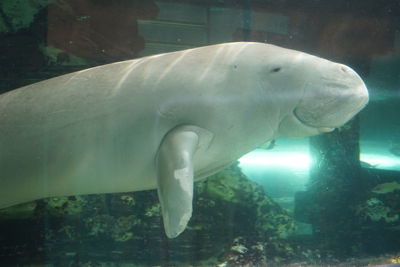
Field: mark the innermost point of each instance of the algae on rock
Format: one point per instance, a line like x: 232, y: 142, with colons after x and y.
x: 20, y: 13
x: 229, y: 212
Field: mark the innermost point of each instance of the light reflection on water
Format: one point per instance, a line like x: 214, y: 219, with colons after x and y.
x: 284, y: 169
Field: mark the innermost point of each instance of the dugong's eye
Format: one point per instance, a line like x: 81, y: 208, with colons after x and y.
x: 276, y: 69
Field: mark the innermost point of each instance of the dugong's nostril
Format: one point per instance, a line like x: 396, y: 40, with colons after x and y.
x: 344, y: 69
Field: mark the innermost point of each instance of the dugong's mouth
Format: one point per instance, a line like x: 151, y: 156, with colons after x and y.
x: 292, y: 125
x: 331, y: 113
x: 321, y: 129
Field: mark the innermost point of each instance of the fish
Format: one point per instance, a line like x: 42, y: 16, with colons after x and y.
x: 386, y: 188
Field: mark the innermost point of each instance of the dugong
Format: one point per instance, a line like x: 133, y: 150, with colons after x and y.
x: 163, y: 121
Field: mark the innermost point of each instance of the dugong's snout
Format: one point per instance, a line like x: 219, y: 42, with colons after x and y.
x: 331, y: 97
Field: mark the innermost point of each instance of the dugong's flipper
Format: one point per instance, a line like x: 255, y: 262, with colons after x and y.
x: 175, y: 175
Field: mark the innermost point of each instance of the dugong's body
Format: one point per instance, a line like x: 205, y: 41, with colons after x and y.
x: 159, y: 121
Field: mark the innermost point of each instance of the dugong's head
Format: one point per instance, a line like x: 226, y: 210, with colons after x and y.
x: 322, y: 95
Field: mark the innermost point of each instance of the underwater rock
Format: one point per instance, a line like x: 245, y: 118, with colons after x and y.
x: 378, y: 215
x: 119, y: 229
x: 234, y: 221
x: 382, y: 206
x: 55, y: 56
x: 375, y: 210
x: 239, y: 255
x: 232, y: 190
x: 19, y: 14
x: 65, y: 205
